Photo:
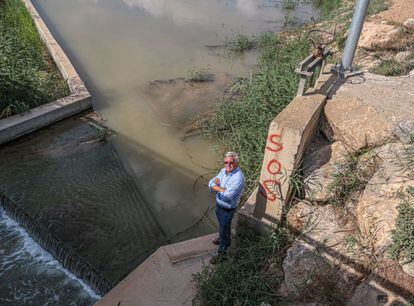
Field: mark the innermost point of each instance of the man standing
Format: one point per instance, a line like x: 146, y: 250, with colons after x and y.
x: 228, y: 186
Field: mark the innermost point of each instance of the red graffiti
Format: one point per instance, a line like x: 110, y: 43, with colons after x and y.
x: 270, y: 192
x: 278, y: 145
x: 278, y: 165
x: 270, y: 188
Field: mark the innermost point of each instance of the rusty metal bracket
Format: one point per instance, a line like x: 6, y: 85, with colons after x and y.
x: 308, y: 66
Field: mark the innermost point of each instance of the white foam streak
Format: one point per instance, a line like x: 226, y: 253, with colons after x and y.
x: 38, y: 254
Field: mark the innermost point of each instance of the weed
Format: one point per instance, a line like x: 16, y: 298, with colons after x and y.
x: 198, y: 75
x: 377, y: 6
x: 27, y: 77
x: 351, y: 176
x: 402, y: 237
x: 289, y: 4
x: 289, y: 19
x: 341, y: 40
x: 391, y: 67
x: 327, y: 7
x: 250, y: 276
x: 241, y: 44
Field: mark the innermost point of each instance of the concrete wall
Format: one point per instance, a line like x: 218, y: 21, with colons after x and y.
x: 290, y: 134
x: 79, y: 99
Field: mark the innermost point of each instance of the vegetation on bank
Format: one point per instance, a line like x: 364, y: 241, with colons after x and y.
x: 253, y: 273
x: 241, y: 120
x: 249, y: 276
x: 28, y: 76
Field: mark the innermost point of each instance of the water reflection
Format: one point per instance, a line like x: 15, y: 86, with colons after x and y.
x: 186, y: 12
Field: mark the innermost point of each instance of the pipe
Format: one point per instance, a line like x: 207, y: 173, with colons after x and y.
x: 354, y: 34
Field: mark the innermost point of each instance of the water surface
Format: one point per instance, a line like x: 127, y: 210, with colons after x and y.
x: 115, y: 202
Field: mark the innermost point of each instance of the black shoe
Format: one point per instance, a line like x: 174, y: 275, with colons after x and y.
x: 216, y: 241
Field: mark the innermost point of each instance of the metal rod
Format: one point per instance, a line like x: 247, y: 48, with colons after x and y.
x: 354, y: 33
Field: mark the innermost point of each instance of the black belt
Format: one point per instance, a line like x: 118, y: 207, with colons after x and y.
x: 226, y: 209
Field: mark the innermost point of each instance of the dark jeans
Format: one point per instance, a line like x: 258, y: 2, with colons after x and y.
x: 224, y: 217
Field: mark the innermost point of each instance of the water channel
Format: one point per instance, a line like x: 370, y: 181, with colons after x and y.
x: 114, y: 202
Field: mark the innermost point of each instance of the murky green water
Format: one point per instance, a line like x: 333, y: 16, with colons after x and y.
x: 115, y: 202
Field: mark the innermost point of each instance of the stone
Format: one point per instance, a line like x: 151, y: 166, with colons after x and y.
x: 373, y: 292
x: 371, y: 110
x: 318, y: 170
x: 402, y: 56
x: 408, y: 268
x: 377, y: 209
x: 348, y: 117
x: 376, y: 35
x: 319, y: 257
x: 409, y: 23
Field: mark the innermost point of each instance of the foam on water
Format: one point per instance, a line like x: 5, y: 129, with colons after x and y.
x: 24, y: 250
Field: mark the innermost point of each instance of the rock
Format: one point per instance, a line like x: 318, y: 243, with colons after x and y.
x: 374, y: 292
x: 318, y: 169
x: 377, y: 35
x: 348, y: 117
x: 402, y: 56
x: 372, y: 109
x: 317, y: 260
x: 377, y: 210
x: 408, y: 268
x: 322, y: 225
x: 409, y: 23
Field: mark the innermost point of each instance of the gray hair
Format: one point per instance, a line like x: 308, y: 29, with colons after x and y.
x: 234, y: 155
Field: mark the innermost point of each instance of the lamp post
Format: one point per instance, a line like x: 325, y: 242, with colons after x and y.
x: 345, y: 69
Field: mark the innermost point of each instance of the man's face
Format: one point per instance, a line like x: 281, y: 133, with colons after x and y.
x: 229, y: 164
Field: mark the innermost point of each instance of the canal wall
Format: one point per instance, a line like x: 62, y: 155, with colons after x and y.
x: 44, y: 115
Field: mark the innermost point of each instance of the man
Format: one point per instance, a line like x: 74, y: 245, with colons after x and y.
x: 228, y: 186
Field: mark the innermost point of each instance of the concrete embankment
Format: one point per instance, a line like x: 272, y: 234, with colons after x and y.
x: 44, y: 115
x: 166, y: 277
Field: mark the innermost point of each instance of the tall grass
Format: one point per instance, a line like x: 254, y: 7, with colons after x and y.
x: 242, y: 122
x: 28, y: 77
x: 250, y: 276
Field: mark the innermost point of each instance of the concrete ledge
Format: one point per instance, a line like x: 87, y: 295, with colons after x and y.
x: 164, y: 278
x: 41, y: 116
x: 191, y: 248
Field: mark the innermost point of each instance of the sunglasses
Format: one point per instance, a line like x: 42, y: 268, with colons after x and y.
x: 228, y: 163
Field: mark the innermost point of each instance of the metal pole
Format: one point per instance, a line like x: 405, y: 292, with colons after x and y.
x: 354, y: 33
